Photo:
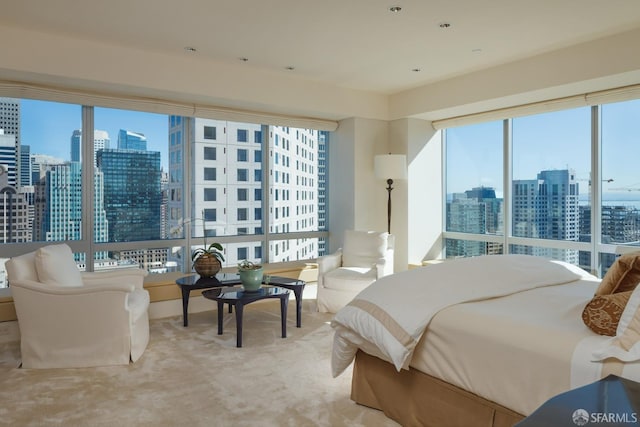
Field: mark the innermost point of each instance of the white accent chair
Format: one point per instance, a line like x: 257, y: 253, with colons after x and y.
x: 72, y: 319
x: 364, y: 257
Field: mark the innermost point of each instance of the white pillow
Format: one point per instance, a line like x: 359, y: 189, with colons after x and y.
x: 22, y: 267
x: 625, y: 346
x: 363, y: 248
x: 55, y: 266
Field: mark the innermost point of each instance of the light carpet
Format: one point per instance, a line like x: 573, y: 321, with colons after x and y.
x: 194, y: 377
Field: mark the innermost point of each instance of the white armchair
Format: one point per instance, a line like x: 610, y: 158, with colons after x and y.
x: 72, y: 319
x: 364, y: 257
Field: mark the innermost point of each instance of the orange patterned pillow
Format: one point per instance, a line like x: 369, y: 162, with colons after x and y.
x: 602, y: 313
x: 623, y: 275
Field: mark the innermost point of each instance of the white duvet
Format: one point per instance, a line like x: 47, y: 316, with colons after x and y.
x: 388, y: 318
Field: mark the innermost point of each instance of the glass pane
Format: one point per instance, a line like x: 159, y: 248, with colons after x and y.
x: 474, y: 182
x: 572, y: 256
x: 606, y: 261
x: 620, y: 150
x: 238, y: 251
x: 298, y: 181
x: 458, y: 248
x: 224, y: 169
x: 153, y: 260
x: 131, y: 160
x: 551, y: 175
x: 40, y: 179
x: 294, y: 249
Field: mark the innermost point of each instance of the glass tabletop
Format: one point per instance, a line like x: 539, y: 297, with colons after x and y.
x: 239, y: 293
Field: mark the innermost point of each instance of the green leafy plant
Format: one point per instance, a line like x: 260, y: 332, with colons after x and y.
x: 214, y: 249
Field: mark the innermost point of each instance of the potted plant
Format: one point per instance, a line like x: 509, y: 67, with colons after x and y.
x: 250, y: 275
x: 207, y: 261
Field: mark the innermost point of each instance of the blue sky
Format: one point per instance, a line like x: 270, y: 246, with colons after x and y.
x: 557, y: 140
x: 47, y: 127
x: 545, y: 141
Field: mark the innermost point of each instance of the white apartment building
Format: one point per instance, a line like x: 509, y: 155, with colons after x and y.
x: 230, y: 184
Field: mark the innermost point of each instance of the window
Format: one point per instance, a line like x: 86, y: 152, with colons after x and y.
x: 209, y: 132
x: 210, y: 153
x: 242, y: 155
x: 553, y: 188
x: 209, y: 174
x: 210, y: 215
x: 242, y: 253
x: 474, y: 186
x: 138, y: 164
x: 210, y: 194
x: 130, y: 164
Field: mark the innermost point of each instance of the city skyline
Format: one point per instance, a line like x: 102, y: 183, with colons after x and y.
x: 56, y: 123
x: 551, y: 141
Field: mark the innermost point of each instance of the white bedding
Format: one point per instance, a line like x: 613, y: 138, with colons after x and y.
x: 388, y: 318
x: 525, y: 348
x: 517, y: 345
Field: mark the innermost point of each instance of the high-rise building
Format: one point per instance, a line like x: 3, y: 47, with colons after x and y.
x: 24, y: 179
x: 229, y: 185
x: 547, y: 208
x: 620, y: 225
x: 8, y: 158
x: 132, y: 193
x: 101, y: 140
x: 474, y: 211
x: 14, y: 211
x: 10, y: 117
x: 128, y: 140
x: 59, y: 207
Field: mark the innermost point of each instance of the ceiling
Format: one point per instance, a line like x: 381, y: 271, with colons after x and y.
x: 356, y: 44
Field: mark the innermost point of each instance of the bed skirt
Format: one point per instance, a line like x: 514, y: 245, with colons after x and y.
x: 413, y: 398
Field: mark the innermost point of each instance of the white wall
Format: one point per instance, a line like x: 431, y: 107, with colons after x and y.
x: 357, y: 200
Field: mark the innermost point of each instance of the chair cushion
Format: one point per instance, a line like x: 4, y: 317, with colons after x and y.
x: 363, y: 248
x: 55, y: 266
x: 23, y: 267
x: 350, y: 278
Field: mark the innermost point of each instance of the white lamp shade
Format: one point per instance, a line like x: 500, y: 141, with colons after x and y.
x: 390, y: 166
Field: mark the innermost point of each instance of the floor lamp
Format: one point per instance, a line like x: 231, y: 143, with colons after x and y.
x: 390, y: 167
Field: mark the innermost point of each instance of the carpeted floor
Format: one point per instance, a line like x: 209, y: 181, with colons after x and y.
x: 194, y: 377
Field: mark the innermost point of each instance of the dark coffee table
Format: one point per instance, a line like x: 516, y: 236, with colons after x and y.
x: 239, y: 298
x: 192, y: 282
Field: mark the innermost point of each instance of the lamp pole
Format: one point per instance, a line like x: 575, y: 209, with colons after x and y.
x: 389, y: 188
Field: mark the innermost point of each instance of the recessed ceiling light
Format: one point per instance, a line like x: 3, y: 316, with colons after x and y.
x: 395, y: 9
x: 444, y: 24
x: 190, y: 49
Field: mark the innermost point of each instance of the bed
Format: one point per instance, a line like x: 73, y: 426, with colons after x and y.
x: 478, y: 341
